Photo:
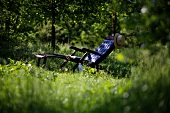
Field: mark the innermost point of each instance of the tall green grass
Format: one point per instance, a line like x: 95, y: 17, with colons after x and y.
x: 25, y: 88
x: 36, y: 90
x: 148, y: 88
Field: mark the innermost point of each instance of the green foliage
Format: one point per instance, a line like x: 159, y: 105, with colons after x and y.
x: 26, y: 88
x: 29, y: 89
x: 150, y: 22
x: 82, y: 21
x: 132, y: 80
x: 146, y: 90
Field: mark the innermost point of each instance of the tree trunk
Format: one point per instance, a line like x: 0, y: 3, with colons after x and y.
x: 53, y: 27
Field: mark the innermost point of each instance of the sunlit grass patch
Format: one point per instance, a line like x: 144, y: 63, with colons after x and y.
x: 30, y: 90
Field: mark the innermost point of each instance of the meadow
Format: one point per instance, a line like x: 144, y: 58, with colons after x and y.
x: 132, y: 81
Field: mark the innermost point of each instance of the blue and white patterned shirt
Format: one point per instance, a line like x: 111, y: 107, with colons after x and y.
x: 102, y: 49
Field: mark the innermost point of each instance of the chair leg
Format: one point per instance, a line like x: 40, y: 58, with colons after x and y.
x: 44, y: 62
x: 38, y: 62
x: 97, y: 67
x: 74, y: 68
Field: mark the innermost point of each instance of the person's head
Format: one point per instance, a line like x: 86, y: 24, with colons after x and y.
x: 119, y: 40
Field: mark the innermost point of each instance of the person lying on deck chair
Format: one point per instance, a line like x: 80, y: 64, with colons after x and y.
x: 119, y: 41
x: 92, y: 58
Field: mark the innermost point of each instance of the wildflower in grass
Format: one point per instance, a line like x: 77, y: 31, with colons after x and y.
x: 23, y: 64
x: 12, y: 69
x: 29, y: 65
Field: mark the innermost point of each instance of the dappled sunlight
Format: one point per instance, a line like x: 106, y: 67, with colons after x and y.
x: 132, y: 79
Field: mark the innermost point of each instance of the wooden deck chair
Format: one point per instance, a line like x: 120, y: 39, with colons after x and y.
x: 90, y: 57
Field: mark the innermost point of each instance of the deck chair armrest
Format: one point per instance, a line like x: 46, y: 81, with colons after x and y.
x: 77, y: 49
x: 91, y: 51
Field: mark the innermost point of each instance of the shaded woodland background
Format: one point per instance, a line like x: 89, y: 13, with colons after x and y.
x: 80, y: 21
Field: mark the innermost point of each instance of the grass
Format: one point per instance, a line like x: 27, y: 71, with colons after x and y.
x: 23, y: 92
x: 25, y: 88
